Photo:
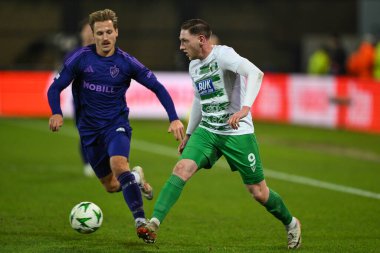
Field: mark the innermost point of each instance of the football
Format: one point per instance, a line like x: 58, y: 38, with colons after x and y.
x: 86, y: 217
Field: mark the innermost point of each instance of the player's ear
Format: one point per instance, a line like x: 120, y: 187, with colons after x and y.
x: 202, y: 39
x: 117, y: 32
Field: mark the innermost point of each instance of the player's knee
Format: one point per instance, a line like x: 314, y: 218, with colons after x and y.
x: 259, y: 197
x: 258, y: 193
x: 184, y: 170
x: 179, y: 170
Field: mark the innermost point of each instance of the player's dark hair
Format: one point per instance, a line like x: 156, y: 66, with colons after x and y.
x: 102, y: 15
x: 197, y: 27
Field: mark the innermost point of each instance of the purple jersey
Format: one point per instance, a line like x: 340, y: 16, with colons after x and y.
x: 99, y: 88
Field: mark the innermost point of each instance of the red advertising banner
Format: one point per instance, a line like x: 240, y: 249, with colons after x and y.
x: 309, y: 100
x: 334, y: 102
x: 271, y: 104
x: 23, y: 93
x: 359, y: 104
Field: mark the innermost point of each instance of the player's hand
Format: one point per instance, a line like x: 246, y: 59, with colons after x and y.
x: 183, y: 143
x: 176, y: 127
x: 233, y: 121
x: 55, y: 122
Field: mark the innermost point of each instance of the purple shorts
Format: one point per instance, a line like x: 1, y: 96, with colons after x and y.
x: 109, y: 142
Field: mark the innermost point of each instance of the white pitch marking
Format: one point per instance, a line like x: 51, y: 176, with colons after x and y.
x: 172, y: 152
x: 167, y: 151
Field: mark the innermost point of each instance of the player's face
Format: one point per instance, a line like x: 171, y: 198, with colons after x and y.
x: 105, y: 37
x: 190, y: 44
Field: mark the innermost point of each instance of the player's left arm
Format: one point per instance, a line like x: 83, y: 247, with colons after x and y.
x: 254, y: 79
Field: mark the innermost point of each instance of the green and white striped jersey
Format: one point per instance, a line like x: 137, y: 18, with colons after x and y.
x: 220, y: 90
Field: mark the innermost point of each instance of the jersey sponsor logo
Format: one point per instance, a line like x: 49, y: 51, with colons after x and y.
x: 114, y: 71
x: 205, y: 87
x: 98, y: 87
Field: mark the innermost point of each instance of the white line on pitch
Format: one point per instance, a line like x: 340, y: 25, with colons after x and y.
x: 172, y: 152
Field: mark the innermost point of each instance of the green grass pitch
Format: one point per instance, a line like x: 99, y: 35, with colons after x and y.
x: 329, y: 179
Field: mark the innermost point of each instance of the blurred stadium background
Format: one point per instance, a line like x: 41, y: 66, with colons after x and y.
x: 319, y: 131
x: 273, y: 33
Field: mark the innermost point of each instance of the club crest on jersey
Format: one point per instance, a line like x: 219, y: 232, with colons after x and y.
x: 205, y: 87
x: 114, y: 71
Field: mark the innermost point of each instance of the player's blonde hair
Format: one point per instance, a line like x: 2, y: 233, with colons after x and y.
x: 102, y: 15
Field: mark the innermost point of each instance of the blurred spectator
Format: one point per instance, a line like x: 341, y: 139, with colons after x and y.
x: 86, y: 36
x: 376, y: 65
x: 337, y: 56
x: 319, y: 62
x: 360, y: 63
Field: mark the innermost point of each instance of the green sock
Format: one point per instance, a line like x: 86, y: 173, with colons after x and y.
x: 168, y: 196
x: 275, y: 205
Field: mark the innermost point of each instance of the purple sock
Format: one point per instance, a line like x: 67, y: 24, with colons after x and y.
x: 132, y: 194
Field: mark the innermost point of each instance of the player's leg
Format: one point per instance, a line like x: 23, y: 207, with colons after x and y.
x: 145, y: 187
x: 242, y: 154
x: 110, y: 163
x: 110, y: 183
x: 271, y: 200
x: 198, y: 153
x: 87, y: 169
x: 170, y: 193
x: 98, y: 158
x: 137, y: 171
x: 118, y: 150
x: 168, y: 196
x: 274, y: 204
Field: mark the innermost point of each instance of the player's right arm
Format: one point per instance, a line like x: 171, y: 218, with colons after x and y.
x: 61, y: 81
